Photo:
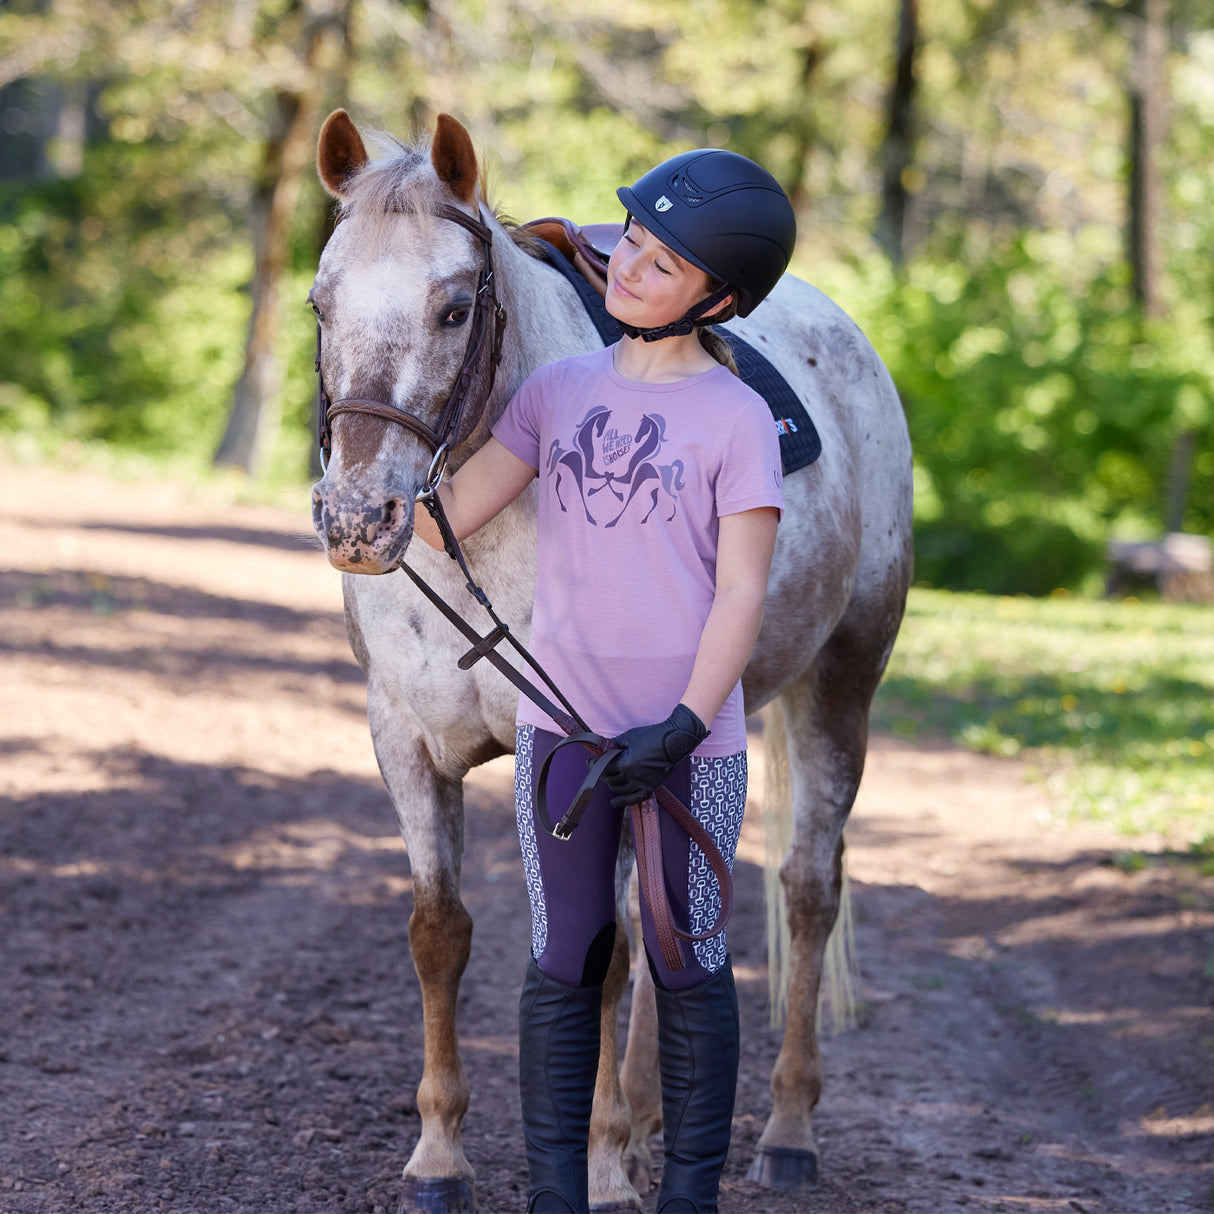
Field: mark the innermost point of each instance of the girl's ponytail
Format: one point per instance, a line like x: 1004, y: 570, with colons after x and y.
x: 712, y: 341
x: 718, y: 347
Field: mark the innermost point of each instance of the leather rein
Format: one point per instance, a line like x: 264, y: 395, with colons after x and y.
x: 441, y: 438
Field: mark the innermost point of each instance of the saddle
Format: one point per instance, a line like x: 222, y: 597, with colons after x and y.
x: 587, y: 249
x: 578, y: 253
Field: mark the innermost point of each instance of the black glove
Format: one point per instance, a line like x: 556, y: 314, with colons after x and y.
x: 649, y: 753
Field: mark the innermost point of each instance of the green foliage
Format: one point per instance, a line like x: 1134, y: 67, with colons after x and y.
x: 1042, y: 411
x: 1113, y: 701
x: 1043, y: 414
x: 122, y: 316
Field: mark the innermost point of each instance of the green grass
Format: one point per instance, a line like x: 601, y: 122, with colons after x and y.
x: 1112, y: 703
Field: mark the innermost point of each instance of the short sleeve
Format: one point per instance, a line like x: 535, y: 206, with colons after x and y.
x: 750, y: 475
x: 518, y: 429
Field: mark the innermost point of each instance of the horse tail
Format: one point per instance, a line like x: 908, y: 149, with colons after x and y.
x: 840, y: 966
x: 672, y: 477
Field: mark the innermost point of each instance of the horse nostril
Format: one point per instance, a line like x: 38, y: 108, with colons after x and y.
x: 318, y: 508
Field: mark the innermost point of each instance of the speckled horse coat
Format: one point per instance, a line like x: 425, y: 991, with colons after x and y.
x: 393, y: 291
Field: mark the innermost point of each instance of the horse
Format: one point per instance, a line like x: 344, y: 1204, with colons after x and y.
x: 400, y: 297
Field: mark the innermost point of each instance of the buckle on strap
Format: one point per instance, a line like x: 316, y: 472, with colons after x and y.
x: 603, y: 752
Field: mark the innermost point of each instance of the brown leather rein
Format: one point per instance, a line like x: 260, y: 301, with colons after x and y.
x: 440, y: 438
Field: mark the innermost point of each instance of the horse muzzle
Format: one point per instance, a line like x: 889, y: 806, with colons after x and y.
x: 361, y: 536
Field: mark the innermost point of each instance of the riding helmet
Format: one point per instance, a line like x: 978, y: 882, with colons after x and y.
x: 723, y: 213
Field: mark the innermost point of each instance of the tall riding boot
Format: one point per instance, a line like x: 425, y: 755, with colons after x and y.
x: 698, y: 1043
x: 558, y: 1061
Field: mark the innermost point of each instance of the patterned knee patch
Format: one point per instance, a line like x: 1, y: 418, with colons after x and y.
x: 524, y: 748
x: 718, y: 800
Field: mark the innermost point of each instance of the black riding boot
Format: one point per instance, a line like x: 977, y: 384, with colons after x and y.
x: 558, y: 1061
x: 698, y: 1040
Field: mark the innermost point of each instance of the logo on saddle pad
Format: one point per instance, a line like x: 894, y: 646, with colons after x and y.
x: 613, y: 474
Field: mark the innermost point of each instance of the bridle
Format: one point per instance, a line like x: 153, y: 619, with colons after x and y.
x: 445, y: 433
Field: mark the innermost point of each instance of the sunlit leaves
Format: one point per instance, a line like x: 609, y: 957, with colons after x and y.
x: 1042, y: 412
x: 1042, y: 417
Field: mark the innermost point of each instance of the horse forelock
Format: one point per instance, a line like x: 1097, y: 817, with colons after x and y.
x: 399, y: 179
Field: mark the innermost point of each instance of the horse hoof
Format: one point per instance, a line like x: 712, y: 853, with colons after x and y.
x: 443, y: 1195
x: 638, y: 1167
x: 786, y: 1169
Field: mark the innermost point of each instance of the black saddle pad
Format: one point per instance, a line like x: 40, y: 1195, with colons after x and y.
x: 799, y: 441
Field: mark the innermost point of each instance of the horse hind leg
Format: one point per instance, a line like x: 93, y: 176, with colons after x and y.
x: 611, y: 1191
x: 825, y: 718
x: 640, y: 1074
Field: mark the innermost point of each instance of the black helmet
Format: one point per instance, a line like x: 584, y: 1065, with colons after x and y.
x: 723, y: 213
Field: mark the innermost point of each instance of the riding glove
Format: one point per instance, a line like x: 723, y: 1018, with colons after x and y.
x: 649, y: 753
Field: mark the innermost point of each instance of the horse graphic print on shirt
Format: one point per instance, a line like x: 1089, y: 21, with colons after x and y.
x: 606, y: 472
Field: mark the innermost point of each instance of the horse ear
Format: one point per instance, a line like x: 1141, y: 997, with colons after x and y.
x: 453, y: 157
x: 339, y: 151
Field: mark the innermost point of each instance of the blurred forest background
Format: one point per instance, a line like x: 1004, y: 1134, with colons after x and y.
x: 1014, y: 198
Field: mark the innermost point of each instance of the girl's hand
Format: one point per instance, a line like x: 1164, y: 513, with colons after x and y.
x: 649, y: 753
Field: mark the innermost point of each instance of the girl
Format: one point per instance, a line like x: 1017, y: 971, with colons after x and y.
x: 658, y: 505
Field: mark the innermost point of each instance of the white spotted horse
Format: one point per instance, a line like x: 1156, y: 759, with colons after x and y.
x: 431, y: 313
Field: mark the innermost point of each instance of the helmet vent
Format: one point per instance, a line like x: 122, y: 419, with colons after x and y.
x: 682, y: 186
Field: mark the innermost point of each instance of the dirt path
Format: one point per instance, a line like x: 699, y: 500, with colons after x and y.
x: 207, y: 999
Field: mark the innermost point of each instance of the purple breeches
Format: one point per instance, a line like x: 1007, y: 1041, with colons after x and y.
x: 571, y: 883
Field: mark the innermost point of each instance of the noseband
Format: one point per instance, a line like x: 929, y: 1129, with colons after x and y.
x: 443, y: 435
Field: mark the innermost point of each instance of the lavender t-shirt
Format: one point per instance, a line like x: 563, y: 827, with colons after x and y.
x: 633, y: 478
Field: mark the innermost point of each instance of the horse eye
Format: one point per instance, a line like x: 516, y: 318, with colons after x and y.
x: 316, y: 310
x: 455, y: 317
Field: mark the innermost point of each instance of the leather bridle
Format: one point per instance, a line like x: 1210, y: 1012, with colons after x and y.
x: 445, y: 433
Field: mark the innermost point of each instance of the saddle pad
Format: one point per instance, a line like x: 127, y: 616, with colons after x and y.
x: 799, y: 441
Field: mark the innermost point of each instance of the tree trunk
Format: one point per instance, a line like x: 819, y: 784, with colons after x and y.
x: 805, y: 132
x: 1180, y: 467
x: 1147, y: 121
x: 899, y: 146
x: 256, y: 408
x: 338, y: 81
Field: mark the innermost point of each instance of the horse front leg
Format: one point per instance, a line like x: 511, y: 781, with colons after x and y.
x: 438, y: 1178
x: 825, y: 719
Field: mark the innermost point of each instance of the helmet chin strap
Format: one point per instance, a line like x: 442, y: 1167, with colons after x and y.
x: 691, y: 320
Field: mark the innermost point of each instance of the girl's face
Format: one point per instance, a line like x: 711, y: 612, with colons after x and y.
x: 648, y: 285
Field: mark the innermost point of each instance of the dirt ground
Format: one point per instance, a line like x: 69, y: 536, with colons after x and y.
x: 207, y: 1001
